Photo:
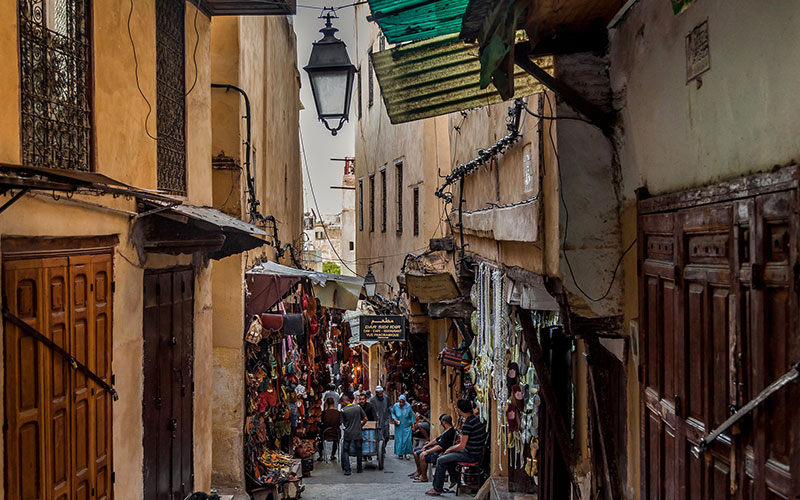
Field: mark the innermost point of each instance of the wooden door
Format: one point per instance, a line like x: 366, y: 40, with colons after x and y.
x: 718, y: 310
x: 168, y: 383
x: 58, y: 438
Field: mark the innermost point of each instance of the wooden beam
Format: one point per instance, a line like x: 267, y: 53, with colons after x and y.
x: 601, y: 434
x: 548, y: 393
x: 564, y: 91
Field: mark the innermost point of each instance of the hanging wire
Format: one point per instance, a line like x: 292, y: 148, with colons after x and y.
x: 314, y: 197
x: 566, y: 220
x: 136, y: 73
x: 196, y: 43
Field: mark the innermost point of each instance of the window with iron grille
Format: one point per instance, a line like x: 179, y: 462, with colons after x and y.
x: 372, y: 203
x: 361, y: 204
x: 399, y: 169
x: 383, y: 200
x: 358, y: 77
x: 170, y: 96
x: 416, y: 211
x: 55, y: 78
x: 371, y: 77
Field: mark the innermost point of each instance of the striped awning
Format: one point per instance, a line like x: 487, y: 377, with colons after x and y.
x: 412, y: 20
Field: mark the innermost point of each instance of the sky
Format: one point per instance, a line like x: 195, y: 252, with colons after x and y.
x: 320, y: 145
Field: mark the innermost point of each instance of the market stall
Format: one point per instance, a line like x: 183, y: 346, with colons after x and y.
x: 290, y: 359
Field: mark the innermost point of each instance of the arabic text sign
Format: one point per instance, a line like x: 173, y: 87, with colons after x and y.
x: 382, y: 328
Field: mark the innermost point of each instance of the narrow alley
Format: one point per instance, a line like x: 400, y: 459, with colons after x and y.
x: 550, y: 247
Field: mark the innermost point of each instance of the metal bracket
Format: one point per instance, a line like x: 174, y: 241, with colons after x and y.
x: 791, y: 376
x: 14, y: 198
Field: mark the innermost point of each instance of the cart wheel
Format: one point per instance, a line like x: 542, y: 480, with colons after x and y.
x: 380, y: 455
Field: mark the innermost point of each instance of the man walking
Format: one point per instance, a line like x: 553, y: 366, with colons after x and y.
x: 468, y: 449
x: 353, y: 418
x: 380, y: 402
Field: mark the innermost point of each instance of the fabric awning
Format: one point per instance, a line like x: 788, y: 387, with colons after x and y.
x: 268, y: 282
x: 440, y: 76
x: 412, y: 20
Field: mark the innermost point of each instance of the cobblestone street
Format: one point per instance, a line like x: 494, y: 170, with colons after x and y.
x: 392, y: 483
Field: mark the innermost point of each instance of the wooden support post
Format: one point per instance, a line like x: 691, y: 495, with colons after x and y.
x: 601, y: 434
x: 548, y: 393
x: 564, y: 91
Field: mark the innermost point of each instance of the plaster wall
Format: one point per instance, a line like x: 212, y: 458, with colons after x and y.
x: 348, y: 222
x: 125, y: 152
x: 379, y: 144
x: 741, y: 117
x: 502, y: 182
x: 257, y: 54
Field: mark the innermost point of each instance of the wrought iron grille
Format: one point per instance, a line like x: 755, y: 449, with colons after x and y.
x: 170, y: 94
x: 54, y: 42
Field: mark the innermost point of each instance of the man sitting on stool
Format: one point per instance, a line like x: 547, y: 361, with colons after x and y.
x: 429, y: 452
x: 468, y: 449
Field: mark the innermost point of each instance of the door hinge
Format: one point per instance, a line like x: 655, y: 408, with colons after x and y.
x: 113, y: 379
x: 113, y: 477
x: 113, y: 286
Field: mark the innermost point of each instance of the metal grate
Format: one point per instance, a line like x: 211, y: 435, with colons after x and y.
x: 171, y: 101
x: 416, y: 211
x: 383, y: 200
x: 55, y: 68
x: 372, y: 203
x: 370, y: 80
x: 361, y: 204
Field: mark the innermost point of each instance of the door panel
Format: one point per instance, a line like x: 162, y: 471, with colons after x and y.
x: 168, y: 361
x: 716, y: 331
x: 52, y: 444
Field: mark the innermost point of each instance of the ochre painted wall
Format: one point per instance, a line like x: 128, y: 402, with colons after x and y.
x: 125, y: 152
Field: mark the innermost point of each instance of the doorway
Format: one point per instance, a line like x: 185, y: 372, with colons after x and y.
x: 168, y: 383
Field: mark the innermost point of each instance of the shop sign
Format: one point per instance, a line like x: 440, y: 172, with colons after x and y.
x: 433, y: 287
x: 384, y: 328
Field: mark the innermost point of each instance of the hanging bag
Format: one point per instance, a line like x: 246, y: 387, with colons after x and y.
x: 254, y: 331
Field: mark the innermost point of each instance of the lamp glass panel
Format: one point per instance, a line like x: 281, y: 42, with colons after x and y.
x: 331, y: 91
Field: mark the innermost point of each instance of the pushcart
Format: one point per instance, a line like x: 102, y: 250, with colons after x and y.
x: 371, y: 445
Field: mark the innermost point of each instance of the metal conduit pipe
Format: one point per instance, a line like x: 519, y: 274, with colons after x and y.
x: 255, y: 216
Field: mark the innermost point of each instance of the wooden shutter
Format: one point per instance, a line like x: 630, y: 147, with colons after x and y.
x: 58, y: 444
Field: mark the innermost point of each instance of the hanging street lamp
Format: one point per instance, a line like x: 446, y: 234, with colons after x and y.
x: 331, y: 75
x: 370, y: 283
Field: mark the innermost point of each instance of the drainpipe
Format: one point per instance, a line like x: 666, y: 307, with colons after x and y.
x: 255, y: 216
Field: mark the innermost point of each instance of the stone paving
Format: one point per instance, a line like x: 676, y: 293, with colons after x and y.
x: 328, y: 482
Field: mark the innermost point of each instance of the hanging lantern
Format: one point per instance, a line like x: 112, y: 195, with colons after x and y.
x: 331, y: 75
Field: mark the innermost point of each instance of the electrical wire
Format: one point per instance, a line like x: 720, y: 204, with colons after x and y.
x: 314, y: 197
x: 566, y: 222
x: 136, y: 73
x: 196, y: 43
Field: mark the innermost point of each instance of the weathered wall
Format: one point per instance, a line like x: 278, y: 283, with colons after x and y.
x: 123, y: 151
x: 503, y: 183
x: 380, y: 144
x: 257, y: 54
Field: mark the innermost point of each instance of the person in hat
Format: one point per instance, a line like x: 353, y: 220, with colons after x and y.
x: 468, y: 449
x: 403, y: 418
x: 380, y: 402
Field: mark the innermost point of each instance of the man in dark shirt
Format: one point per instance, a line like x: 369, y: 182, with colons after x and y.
x: 468, y: 449
x: 429, y: 452
x: 353, y: 417
x: 369, y: 410
x: 331, y: 420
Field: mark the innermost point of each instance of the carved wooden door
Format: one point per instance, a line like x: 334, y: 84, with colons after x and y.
x: 718, y: 311
x: 58, y: 437
x: 168, y: 384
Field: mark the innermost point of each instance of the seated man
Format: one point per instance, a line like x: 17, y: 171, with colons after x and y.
x: 429, y: 452
x: 468, y: 449
x: 421, y: 428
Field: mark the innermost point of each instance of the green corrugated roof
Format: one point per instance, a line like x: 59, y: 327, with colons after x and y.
x: 412, y: 20
x: 439, y: 76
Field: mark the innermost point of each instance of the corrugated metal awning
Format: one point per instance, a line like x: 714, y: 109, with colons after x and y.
x: 412, y: 20
x: 439, y: 76
x: 247, y: 7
